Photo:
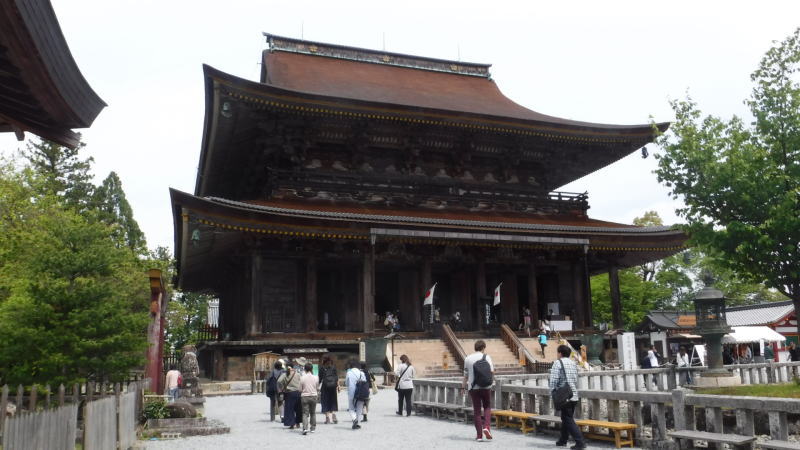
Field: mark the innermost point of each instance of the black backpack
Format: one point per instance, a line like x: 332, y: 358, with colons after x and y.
x: 482, y: 373
x: 272, y: 385
x: 362, y: 389
x: 645, y: 361
x: 330, y: 378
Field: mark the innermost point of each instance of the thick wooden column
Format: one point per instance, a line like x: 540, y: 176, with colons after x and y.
x: 533, y: 296
x: 480, y: 292
x: 368, y: 292
x: 427, y: 282
x: 410, y: 296
x: 578, y: 311
x: 616, y: 303
x: 252, y: 318
x: 311, y: 295
x: 509, y: 300
x: 588, y: 317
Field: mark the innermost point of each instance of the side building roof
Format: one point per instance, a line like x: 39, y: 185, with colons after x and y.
x: 737, y: 316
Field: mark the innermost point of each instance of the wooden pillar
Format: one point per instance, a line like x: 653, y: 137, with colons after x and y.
x: 533, y: 296
x: 578, y: 313
x: 480, y: 292
x: 616, y: 303
x: 509, y: 300
x: 252, y: 319
x: 427, y: 282
x: 311, y: 295
x: 368, y: 292
x: 410, y: 296
x: 587, y: 290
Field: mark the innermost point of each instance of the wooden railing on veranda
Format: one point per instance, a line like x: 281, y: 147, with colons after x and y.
x: 453, y: 344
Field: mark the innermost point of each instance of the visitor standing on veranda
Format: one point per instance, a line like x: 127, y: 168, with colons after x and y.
x: 564, y: 371
x: 309, y: 384
x: 478, y: 379
x: 405, y: 384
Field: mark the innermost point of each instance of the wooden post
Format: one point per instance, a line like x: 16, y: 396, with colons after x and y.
x: 32, y: 399
x: 533, y: 297
x: 47, y: 397
x: 20, y: 397
x: 89, y: 391
x: 3, y: 405
x: 480, y: 292
x: 368, y: 291
x: 61, y: 394
x: 311, y: 295
x: 252, y: 318
x: 103, y: 389
x: 577, y: 293
x: 616, y: 303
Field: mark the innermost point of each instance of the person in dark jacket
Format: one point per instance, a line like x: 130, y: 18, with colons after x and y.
x: 329, y: 379
x: 274, y: 401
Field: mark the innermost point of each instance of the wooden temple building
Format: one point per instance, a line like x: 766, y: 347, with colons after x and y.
x: 347, y: 181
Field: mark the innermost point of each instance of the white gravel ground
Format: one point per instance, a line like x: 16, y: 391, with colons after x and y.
x: 251, y: 429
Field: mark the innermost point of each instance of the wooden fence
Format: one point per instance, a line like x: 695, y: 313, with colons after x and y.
x: 50, y: 429
x: 109, y: 416
x: 645, y: 408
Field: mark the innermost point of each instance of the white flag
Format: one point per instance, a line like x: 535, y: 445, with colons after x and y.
x: 497, y: 295
x: 429, y: 295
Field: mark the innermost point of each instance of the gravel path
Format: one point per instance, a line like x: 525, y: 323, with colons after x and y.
x: 251, y: 429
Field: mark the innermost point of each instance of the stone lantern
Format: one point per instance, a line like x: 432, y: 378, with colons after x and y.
x: 709, y: 308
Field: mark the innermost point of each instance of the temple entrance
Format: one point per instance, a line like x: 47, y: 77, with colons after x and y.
x: 387, y: 296
x: 337, y: 299
x: 548, y: 291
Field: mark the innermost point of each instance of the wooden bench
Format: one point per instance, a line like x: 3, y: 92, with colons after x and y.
x: 615, y: 429
x: 685, y: 437
x: 439, y: 409
x: 503, y: 419
x: 780, y: 445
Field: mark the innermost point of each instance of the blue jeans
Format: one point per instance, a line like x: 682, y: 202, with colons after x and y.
x: 173, y: 394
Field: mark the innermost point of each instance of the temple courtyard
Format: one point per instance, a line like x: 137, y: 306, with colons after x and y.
x: 251, y: 429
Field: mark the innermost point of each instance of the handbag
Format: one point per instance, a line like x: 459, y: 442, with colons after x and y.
x: 280, y: 394
x: 397, y: 385
x: 563, y: 393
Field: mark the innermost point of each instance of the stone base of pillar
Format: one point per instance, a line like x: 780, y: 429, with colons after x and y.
x: 705, y: 381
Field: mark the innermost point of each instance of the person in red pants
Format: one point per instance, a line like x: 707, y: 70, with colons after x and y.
x: 478, y: 379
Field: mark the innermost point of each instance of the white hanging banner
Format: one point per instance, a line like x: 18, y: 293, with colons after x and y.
x: 429, y: 296
x: 497, y: 294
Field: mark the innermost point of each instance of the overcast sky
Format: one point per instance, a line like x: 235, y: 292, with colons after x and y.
x: 612, y: 62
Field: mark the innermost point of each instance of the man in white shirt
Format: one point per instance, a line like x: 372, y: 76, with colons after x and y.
x: 479, y: 391
x: 172, y: 382
x: 684, y: 363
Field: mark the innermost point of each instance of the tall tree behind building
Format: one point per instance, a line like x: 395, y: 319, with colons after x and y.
x: 113, y: 208
x: 740, y: 182
x: 65, y: 173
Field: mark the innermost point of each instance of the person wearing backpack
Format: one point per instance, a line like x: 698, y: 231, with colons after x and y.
x: 289, y: 385
x: 329, y: 379
x: 405, y: 384
x: 272, y: 390
x: 478, y: 379
x: 357, y: 392
x: 564, y: 371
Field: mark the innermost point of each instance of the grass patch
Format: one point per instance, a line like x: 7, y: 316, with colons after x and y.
x: 786, y: 390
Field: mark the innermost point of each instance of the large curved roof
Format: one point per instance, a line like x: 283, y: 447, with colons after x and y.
x: 42, y: 91
x: 384, y: 77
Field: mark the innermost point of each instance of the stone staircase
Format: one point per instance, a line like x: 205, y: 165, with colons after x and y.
x: 428, y: 357
x: 505, y: 362
x: 550, y: 353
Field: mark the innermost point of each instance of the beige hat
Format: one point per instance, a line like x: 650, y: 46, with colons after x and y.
x: 301, y: 361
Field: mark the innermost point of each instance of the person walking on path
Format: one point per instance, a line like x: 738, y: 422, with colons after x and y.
x: 352, y: 378
x: 684, y: 363
x: 289, y: 385
x: 564, y: 371
x: 478, y: 379
x: 308, y: 397
x: 329, y: 378
x: 272, y: 390
x: 405, y: 384
x: 542, y: 339
x: 172, y: 382
x: 372, y: 387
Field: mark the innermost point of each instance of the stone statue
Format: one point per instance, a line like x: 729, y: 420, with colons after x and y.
x: 189, y: 366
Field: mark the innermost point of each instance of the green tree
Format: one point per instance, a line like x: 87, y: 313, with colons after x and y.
x: 638, y: 297
x: 65, y: 173
x: 187, y: 314
x: 741, y: 183
x: 113, y: 209
x: 73, y: 306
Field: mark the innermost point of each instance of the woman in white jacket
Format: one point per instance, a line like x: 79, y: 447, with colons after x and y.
x: 405, y: 384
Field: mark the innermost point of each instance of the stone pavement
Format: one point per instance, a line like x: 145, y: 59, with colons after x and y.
x: 251, y: 429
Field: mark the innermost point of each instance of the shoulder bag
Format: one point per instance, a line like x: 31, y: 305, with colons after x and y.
x: 563, y: 393
x: 397, y: 385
